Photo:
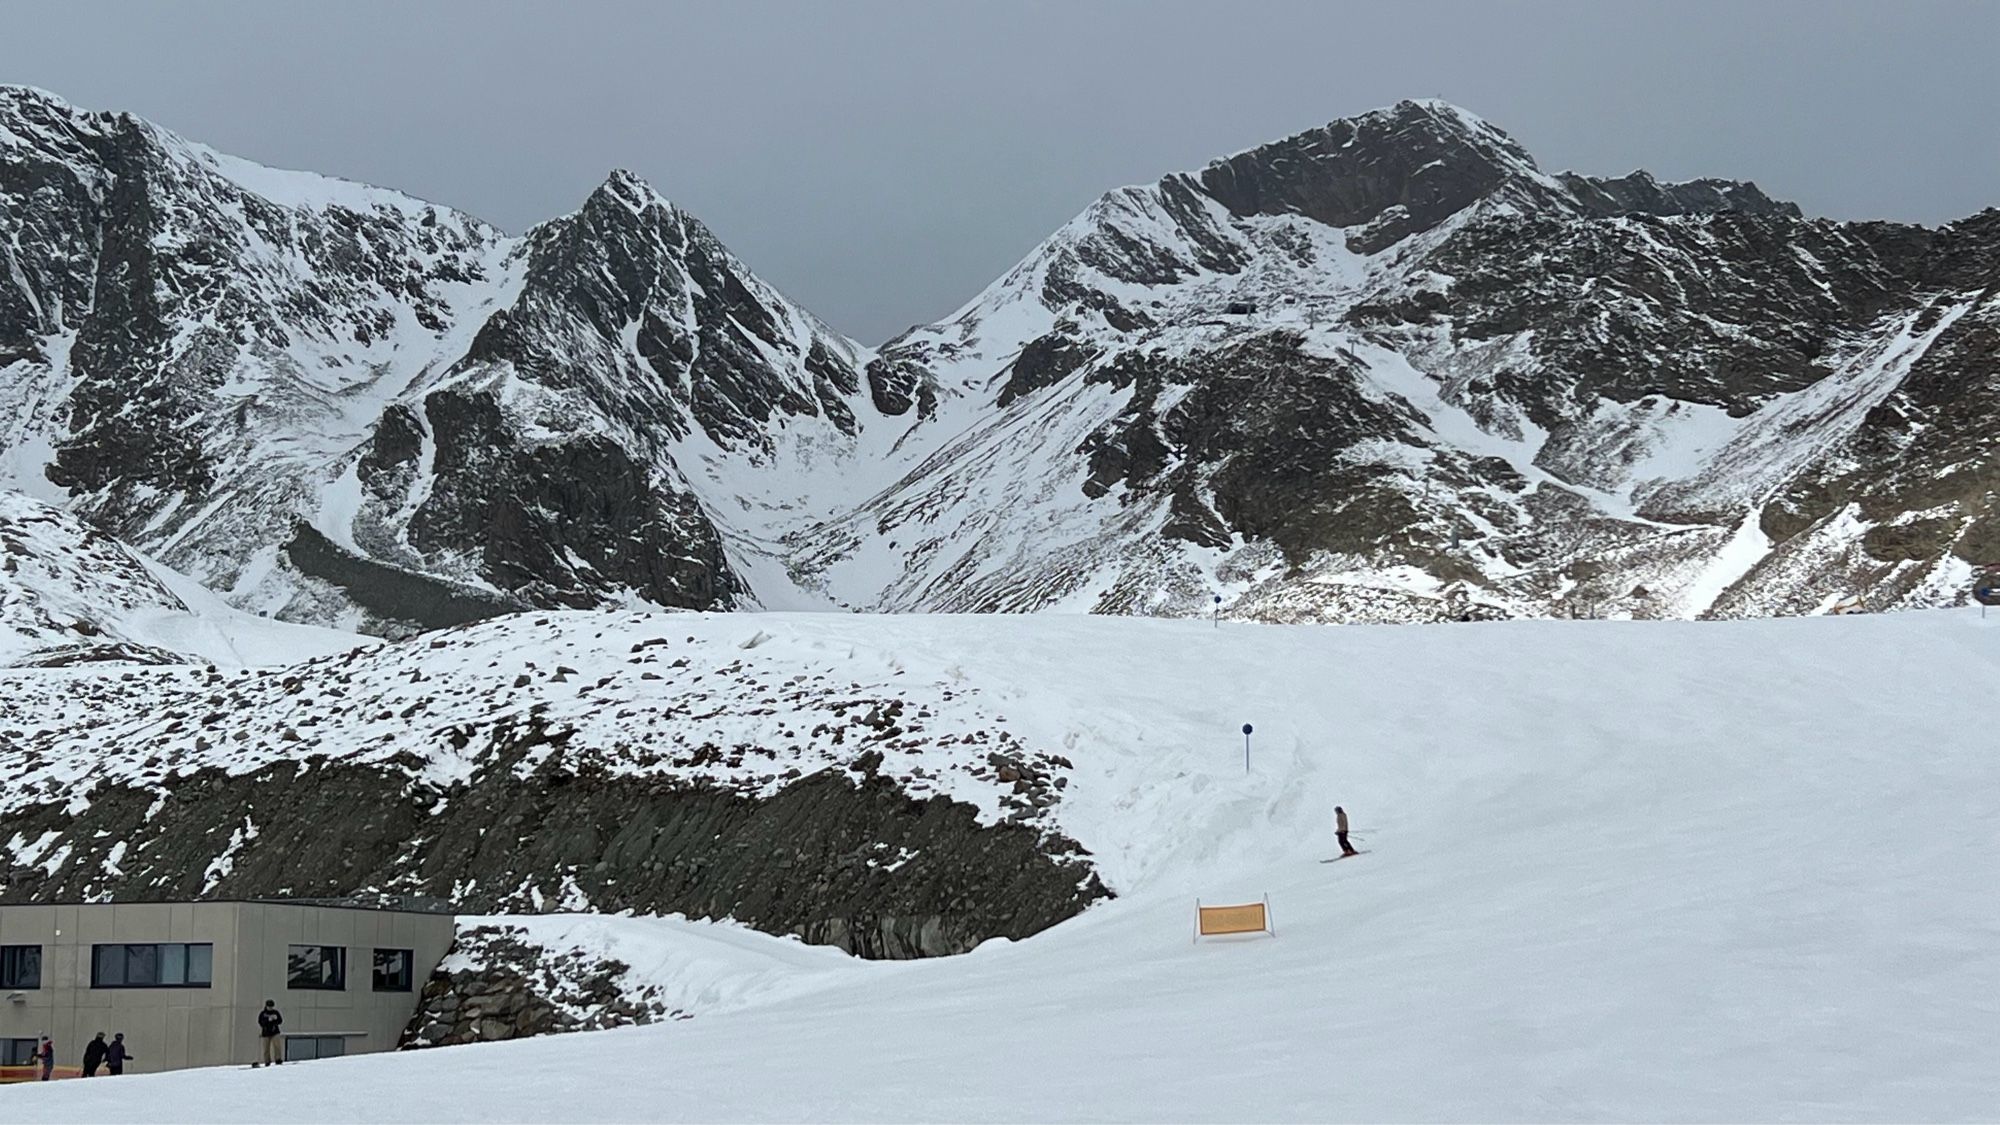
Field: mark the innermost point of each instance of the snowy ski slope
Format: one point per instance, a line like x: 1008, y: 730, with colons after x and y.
x: 1616, y: 870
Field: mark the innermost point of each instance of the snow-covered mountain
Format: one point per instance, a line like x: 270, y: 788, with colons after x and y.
x: 336, y: 403
x: 1387, y: 369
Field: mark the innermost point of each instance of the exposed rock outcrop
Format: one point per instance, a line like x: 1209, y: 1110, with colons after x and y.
x: 808, y: 861
x: 496, y: 985
x: 574, y: 761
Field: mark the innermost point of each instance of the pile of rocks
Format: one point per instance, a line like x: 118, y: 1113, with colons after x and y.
x: 496, y: 984
x: 1035, y: 786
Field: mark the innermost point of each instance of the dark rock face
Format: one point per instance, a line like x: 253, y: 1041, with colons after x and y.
x: 568, y: 761
x: 566, y: 523
x: 1639, y: 193
x: 1045, y: 361
x: 894, y: 387
x: 124, y: 436
x: 52, y: 233
x: 1635, y: 308
x: 1963, y: 255
x: 797, y: 863
x: 1419, y: 159
x: 1263, y: 428
x: 404, y: 601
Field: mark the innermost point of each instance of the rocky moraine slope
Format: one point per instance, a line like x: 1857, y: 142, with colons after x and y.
x: 572, y: 761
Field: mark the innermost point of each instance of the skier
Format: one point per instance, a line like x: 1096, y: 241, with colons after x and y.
x: 1340, y: 832
x: 116, y: 1055
x: 93, y: 1055
x: 46, y: 1055
x: 269, y: 1022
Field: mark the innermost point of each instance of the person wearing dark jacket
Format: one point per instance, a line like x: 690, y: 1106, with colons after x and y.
x: 270, y: 1023
x: 117, y: 1054
x: 93, y: 1055
x: 45, y: 1056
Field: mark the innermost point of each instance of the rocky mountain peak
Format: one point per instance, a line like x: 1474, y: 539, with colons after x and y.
x: 439, y: 420
x: 1639, y: 192
x: 1393, y: 341
x: 1402, y: 170
x: 1406, y: 168
x: 41, y: 134
x: 31, y: 105
x: 626, y: 189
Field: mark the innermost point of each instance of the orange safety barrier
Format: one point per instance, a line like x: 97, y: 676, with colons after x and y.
x: 1249, y: 918
x: 34, y: 1073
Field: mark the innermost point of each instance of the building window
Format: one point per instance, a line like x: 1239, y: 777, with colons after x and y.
x: 392, y: 970
x: 20, y: 966
x: 18, y: 1052
x: 316, y: 966
x: 153, y: 964
x: 303, y: 1048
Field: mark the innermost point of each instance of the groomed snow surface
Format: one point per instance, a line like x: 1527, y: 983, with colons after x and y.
x: 1615, y: 870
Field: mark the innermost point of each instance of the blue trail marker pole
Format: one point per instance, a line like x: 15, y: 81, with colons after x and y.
x: 1246, y: 747
x: 1986, y: 586
x: 1218, y: 611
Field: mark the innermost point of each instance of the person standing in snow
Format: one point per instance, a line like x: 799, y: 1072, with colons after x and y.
x: 1340, y: 832
x: 93, y: 1055
x: 116, y: 1055
x: 269, y: 1023
x: 46, y: 1055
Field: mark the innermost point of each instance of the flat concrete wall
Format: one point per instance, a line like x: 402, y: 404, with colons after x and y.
x: 168, y: 1028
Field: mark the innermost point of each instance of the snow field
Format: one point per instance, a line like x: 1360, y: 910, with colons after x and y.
x: 1617, y: 870
x: 66, y: 587
x: 694, y: 966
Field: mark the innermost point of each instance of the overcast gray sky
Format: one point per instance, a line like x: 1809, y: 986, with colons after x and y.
x: 881, y: 162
